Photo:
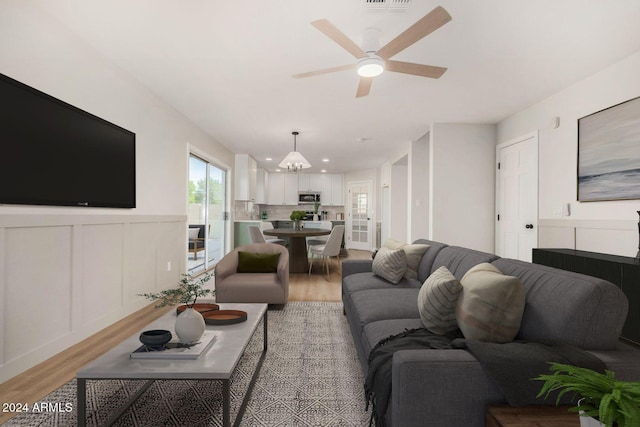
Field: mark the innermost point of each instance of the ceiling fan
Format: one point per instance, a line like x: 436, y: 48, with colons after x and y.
x: 372, y: 61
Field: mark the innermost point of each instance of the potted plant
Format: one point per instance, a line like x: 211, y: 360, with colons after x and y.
x: 316, y: 206
x: 190, y: 324
x: 296, y: 217
x: 614, y: 403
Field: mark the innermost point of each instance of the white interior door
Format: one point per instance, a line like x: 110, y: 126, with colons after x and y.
x: 517, y: 198
x: 359, y: 229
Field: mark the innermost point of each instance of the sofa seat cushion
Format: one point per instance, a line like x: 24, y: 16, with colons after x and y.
x: 364, y: 281
x: 374, y: 332
x: 242, y: 279
x: 382, y: 304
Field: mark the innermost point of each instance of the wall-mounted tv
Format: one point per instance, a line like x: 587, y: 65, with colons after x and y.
x: 56, y: 154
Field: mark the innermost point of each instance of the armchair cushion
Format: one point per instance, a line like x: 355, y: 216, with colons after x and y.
x: 251, y: 262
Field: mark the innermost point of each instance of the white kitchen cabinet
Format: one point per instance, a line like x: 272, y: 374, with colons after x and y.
x: 290, y: 189
x: 332, y: 190
x: 310, y: 182
x: 337, y: 190
x: 283, y: 189
x: 262, y: 186
x: 276, y: 189
x: 245, y: 174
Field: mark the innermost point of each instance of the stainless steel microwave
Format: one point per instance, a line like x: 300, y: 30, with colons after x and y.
x: 308, y: 198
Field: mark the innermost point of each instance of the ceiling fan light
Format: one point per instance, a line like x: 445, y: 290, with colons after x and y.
x: 370, y: 67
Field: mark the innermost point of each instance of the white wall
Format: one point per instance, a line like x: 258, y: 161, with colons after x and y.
x: 462, y: 185
x: 76, y: 270
x: 597, y: 226
x: 399, y: 200
x: 419, y: 189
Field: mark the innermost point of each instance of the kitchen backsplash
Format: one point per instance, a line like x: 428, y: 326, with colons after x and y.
x: 249, y: 210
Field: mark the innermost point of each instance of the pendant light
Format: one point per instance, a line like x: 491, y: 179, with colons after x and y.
x: 294, y: 162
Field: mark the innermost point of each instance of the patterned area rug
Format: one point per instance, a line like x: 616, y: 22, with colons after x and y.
x: 310, y: 377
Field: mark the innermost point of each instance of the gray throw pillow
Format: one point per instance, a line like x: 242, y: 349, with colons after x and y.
x: 437, y: 301
x: 390, y: 264
x: 491, y: 305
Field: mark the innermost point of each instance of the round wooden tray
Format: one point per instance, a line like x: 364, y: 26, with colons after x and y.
x: 224, y: 317
x: 201, y: 308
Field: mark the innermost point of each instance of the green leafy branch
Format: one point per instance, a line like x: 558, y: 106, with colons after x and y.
x: 187, y: 292
x: 613, y: 402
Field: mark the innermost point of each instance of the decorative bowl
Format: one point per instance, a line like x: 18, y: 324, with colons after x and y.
x: 155, y: 337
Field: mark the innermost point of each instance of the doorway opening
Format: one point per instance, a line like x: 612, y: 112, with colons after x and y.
x: 207, y: 214
x: 360, y: 232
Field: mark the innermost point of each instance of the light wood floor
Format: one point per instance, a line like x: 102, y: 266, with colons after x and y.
x: 42, y: 379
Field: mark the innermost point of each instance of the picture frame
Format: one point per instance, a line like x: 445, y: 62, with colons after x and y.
x: 609, y: 153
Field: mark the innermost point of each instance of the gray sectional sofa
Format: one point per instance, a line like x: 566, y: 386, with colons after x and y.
x: 449, y: 387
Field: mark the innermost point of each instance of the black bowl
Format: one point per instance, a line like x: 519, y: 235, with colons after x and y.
x: 155, y: 338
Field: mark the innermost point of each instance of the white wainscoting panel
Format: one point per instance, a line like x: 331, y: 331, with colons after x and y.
x: 607, y: 240
x: 140, y: 267
x: 66, y: 277
x: 616, y: 237
x: 556, y: 237
x: 37, y: 288
x: 102, y: 270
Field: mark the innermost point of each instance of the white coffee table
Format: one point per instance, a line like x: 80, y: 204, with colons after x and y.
x: 218, y: 363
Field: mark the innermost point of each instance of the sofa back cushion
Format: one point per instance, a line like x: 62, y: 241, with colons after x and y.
x: 460, y: 260
x: 567, y: 307
x: 424, y: 267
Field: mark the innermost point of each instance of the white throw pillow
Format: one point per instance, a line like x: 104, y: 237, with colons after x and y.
x: 390, y: 264
x: 437, y: 301
x: 414, y: 255
x: 491, y: 305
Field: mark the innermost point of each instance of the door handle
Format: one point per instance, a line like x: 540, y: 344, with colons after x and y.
x: 528, y: 226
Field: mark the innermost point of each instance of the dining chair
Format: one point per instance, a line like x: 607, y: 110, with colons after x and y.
x: 319, y: 240
x: 256, y: 236
x: 330, y: 249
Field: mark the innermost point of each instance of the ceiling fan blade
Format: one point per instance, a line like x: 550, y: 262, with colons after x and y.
x: 325, y: 71
x: 415, y: 69
x: 426, y: 25
x: 329, y: 30
x: 364, y: 86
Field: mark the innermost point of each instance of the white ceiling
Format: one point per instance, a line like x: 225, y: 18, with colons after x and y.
x: 227, y: 65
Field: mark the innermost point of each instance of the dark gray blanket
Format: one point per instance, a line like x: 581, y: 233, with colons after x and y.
x: 511, y: 365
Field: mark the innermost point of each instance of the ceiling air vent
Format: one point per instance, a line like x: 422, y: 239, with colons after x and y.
x: 387, y: 5
x: 398, y: 5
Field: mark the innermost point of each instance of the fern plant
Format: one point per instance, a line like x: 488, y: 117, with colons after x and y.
x: 613, y: 402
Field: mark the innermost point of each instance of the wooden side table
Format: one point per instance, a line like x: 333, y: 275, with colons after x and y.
x: 531, y: 416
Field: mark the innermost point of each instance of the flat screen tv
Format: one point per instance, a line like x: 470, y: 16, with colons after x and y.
x: 56, y: 154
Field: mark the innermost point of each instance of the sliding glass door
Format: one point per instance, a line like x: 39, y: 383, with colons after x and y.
x: 207, y: 213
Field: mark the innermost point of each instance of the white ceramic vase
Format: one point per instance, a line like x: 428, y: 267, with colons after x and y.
x: 189, y: 326
x: 315, y: 217
x: 589, y: 421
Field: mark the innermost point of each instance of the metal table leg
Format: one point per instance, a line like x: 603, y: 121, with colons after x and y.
x: 82, y: 402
